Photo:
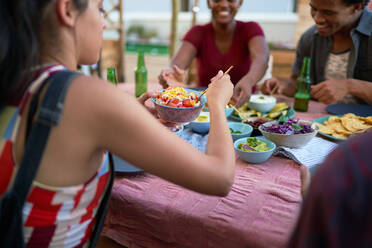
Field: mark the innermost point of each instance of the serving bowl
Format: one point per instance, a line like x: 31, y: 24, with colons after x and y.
x: 244, y: 130
x: 289, y: 140
x: 254, y: 157
x: 228, y: 111
x: 261, y: 103
x: 179, y: 114
x: 201, y: 124
x: 255, y: 122
x: 176, y: 129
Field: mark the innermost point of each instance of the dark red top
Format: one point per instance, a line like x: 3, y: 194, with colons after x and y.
x: 210, y: 59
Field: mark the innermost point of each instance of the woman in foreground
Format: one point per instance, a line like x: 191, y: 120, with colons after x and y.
x: 48, y: 36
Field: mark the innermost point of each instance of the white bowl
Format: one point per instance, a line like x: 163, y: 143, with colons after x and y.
x: 261, y: 103
x: 289, y: 140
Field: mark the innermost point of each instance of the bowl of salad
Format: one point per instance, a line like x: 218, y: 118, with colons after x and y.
x: 290, y: 133
x: 240, y: 130
x: 254, y: 150
x: 256, y: 122
x: 178, y: 105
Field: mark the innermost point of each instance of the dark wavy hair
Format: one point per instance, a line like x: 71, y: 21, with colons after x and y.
x: 350, y: 2
x: 20, y: 31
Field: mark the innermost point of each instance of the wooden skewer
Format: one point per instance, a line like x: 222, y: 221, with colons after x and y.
x: 237, y: 111
x: 232, y: 106
x: 227, y: 71
x: 273, y: 91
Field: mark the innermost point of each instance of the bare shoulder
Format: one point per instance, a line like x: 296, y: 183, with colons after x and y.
x: 91, y: 99
x: 93, y: 92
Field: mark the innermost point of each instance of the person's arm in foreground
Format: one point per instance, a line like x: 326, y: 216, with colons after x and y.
x: 331, y: 91
x: 176, y: 74
x: 259, y: 53
x: 336, y: 210
x: 133, y: 134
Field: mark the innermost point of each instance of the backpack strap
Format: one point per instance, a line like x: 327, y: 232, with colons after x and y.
x: 48, y: 116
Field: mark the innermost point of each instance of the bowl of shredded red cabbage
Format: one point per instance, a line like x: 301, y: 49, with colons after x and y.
x: 290, y: 132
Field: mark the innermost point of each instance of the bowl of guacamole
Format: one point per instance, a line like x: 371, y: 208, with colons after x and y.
x: 254, y: 150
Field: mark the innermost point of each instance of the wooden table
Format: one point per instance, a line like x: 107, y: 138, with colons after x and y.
x: 259, y: 211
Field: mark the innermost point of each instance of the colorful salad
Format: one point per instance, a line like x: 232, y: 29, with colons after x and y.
x: 177, y: 97
x: 289, y: 126
x: 253, y: 145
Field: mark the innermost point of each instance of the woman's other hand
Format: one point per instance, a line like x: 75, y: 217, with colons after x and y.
x: 242, y: 92
x: 170, y: 77
x: 270, y: 84
x: 219, y: 90
x: 149, y: 106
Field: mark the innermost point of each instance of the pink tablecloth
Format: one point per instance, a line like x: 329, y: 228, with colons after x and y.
x: 260, y: 210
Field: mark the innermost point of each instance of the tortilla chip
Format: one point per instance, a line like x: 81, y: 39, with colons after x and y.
x: 324, y: 129
x: 345, y: 126
x: 339, y: 136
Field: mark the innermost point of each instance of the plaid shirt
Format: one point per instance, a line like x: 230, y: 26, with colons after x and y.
x: 337, y: 211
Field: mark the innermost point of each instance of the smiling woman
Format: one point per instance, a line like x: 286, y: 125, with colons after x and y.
x: 219, y: 44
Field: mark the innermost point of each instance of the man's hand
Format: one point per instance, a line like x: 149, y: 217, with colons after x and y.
x: 242, y: 92
x: 305, y: 179
x: 172, y: 76
x: 270, y: 84
x: 330, y: 91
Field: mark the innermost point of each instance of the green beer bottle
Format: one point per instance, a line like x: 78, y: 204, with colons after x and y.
x: 302, y: 96
x: 140, y: 74
x: 111, y: 76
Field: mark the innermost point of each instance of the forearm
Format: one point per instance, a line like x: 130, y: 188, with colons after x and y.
x: 184, y: 56
x: 257, y: 71
x: 180, y: 64
x: 289, y: 88
x: 360, y: 89
x: 220, y: 143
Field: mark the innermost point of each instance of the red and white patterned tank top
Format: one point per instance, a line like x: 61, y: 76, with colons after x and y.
x: 53, y: 217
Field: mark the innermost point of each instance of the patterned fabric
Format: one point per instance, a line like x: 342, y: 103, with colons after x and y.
x: 53, y: 217
x: 336, y: 68
x: 337, y: 210
x: 210, y: 60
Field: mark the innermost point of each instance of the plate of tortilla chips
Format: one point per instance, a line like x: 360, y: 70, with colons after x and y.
x: 341, y: 127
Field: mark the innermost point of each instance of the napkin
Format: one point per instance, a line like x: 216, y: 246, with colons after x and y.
x: 196, y: 140
x: 314, y: 153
